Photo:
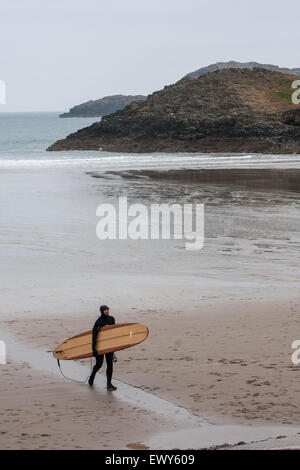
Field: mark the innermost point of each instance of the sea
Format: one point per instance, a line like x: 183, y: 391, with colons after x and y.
x: 24, y: 138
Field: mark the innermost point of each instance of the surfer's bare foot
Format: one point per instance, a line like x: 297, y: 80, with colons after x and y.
x: 111, y: 387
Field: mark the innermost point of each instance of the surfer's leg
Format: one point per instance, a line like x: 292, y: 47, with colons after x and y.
x: 109, y: 370
x: 97, y: 366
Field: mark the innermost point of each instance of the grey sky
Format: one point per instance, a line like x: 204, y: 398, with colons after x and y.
x: 57, y: 53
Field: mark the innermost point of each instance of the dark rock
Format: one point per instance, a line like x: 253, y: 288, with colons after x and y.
x: 231, y: 110
x: 292, y: 117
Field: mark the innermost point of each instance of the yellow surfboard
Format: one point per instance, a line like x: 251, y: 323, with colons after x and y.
x: 110, y: 338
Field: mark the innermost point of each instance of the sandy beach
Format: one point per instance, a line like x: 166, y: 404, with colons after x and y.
x: 149, y: 162
x: 221, y: 320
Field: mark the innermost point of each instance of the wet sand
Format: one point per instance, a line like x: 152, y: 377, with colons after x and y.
x: 40, y: 411
x: 256, y: 178
x: 221, y: 321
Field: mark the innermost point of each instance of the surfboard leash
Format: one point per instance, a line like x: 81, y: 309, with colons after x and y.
x: 74, y: 380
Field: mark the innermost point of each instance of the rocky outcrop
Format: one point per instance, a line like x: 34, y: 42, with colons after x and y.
x: 230, y: 110
x: 241, y: 65
x: 102, y: 107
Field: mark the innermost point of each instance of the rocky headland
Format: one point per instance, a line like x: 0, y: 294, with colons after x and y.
x: 229, y: 110
x: 102, y: 107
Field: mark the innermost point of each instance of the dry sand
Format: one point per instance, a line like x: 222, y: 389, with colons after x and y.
x: 225, y: 367
x: 228, y: 365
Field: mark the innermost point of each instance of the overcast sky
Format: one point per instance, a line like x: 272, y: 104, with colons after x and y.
x: 58, y: 53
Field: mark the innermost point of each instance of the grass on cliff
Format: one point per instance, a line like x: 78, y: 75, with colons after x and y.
x: 284, y: 95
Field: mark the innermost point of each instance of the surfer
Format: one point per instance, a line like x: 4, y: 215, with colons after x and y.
x: 104, y: 319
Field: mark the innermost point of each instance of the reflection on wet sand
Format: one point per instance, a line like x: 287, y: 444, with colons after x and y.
x: 263, y: 178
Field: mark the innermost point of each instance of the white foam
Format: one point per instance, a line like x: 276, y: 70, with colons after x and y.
x: 109, y: 161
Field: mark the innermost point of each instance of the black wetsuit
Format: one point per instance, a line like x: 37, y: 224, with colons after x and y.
x: 102, y: 321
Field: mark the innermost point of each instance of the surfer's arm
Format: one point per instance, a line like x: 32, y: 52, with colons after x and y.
x: 94, y: 337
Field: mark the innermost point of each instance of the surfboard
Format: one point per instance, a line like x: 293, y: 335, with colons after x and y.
x: 110, y: 338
